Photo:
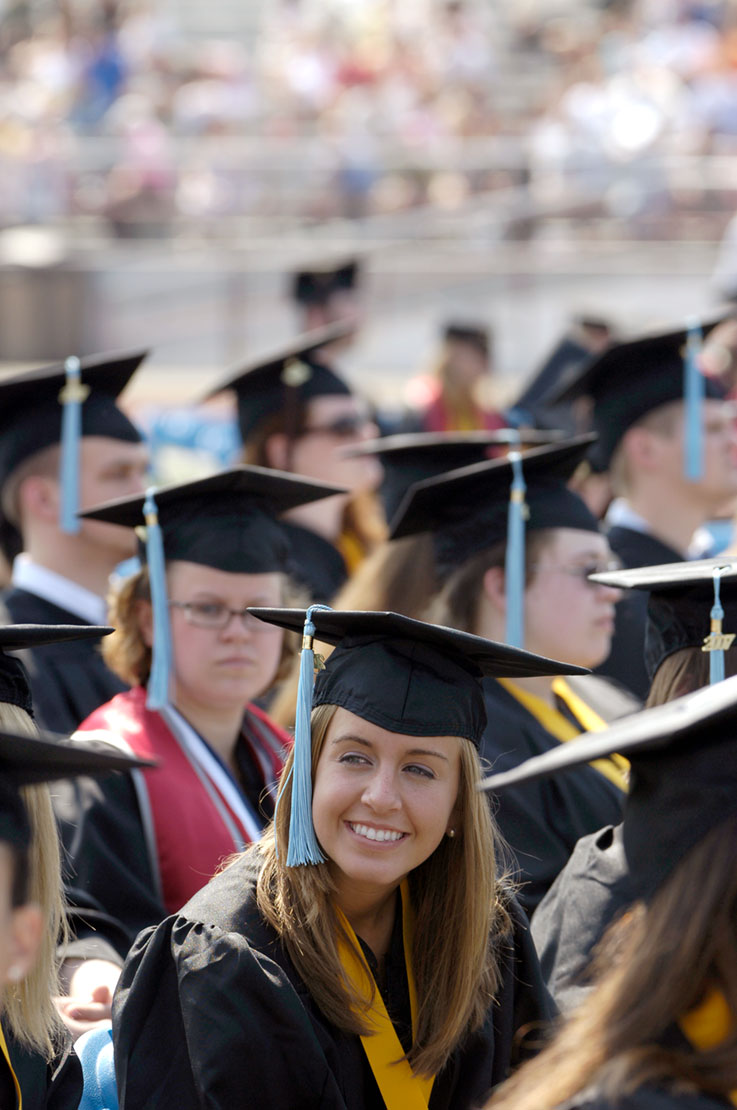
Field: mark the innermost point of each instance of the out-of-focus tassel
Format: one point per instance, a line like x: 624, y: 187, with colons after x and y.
x: 717, y: 642
x: 72, y: 397
x: 158, y: 683
x: 514, y: 564
x: 693, y: 395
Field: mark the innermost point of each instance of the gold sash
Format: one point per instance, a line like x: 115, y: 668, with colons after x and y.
x: 6, y: 1054
x: 708, y: 1025
x: 614, y: 767
x: 400, y: 1088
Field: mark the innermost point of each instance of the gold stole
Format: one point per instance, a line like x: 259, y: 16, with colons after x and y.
x: 400, y: 1088
x: 614, y: 767
x: 6, y: 1054
x: 708, y: 1025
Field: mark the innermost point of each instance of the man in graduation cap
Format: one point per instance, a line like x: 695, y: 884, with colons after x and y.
x: 65, y: 444
x: 297, y: 414
x: 671, y: 459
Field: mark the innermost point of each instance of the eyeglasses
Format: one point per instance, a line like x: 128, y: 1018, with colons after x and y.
x: 214, y: 614
x: 583, y: 572
x: 345, y: 427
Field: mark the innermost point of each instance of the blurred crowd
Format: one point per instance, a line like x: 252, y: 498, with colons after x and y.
x: 116, y: 111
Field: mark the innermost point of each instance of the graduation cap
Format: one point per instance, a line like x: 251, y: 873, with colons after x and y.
x: 14, y: 686
x: 632, y: 378
x: 408, y: 677
x: 476, y: 335
x: 25, y: 760
x: 59, y: 404
x: 228, y: 521
x: 687, y: 606
x: 495, y: 502
x: 285, y: 378
x: 683, y: 779
x: 414, y: 456
x: 317, y: 286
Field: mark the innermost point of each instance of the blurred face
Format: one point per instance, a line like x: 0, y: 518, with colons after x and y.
x: 719, y: 481
x: 110, y: 468
x: 567, y: 617
x: 332, y: 423
x: 382, y: 802
x: 221, y: 660
x: 466, y: 364
x: 20, y: 927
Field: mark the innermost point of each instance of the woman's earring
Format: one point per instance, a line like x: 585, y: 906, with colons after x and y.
x: 451, y: 833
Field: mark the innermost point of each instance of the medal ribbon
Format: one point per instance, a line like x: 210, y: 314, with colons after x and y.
x: 400, y: 1088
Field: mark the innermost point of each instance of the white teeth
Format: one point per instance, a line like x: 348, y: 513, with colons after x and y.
x: 376, y: 834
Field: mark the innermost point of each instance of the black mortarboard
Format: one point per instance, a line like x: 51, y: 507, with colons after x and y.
x: 316, y: 286
x: 288, y: 376
x: 415, y: 456
x: 679, y: 608
x: 14, y: 686
x: 410, y: 677
x: 476, y: 335
x: 227, y: 521
x: 28, y: 759
x: 466, y: 510
x: 631, y: 379
x: 683, y: 779
x: 31, y: 410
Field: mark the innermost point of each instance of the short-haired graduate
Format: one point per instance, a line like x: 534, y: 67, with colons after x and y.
x: 366, y: 953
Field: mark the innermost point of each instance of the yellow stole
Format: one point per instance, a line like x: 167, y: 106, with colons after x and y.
x: 400, y: 1088
x: 708, y: 1025
x: 614, y: 767
x: 6, y: 1054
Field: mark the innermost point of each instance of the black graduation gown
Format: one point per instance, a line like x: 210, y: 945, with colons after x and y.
x: 626, y: 660
x: 210, y: 1012
x: 591, y: 890
x: 649, y: 1098
x: 54, y: 1086
x: 109, y: 881
x: 315, y: 563
x: 541, y: 821
x: 69, y: 680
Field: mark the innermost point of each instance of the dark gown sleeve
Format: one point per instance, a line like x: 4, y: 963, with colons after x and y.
x: 589, y: 893
x: 202, y: 1019
x: 108, y: 876
x: 648, y: 1098
x: 47, y: 1086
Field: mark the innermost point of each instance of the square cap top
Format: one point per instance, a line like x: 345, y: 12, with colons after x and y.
x: 291, y: 372
x: 683, y: 781
x: 477, y: 335
x: 632, y: 378
x: 14, y: 685
x: 315, y: 286
x: 31, y: 412
x: 681, y: 596
x: 228, y: 520
x: 409, y: 676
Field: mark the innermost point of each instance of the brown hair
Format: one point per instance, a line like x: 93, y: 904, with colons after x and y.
x: 660, y: 421
x: 654, y: 965
x: 457, y: 603
x: 28, y: 1007
x: 129, y: 656
x: 399, y: 576
x: 684, y: 671
x: 455, y: 894
x: 44, y: 463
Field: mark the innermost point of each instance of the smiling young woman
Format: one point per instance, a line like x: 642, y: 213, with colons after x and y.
x: 366, y: 953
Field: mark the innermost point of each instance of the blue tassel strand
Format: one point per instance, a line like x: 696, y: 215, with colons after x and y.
x: 158, y: 683
x: 72, y: 398
x: 514, y: 563
x: 303, y: 844
x: 693, y: 394
x: 716, y: 654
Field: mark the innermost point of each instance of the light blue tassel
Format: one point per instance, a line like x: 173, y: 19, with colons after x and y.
x: 303, y: 844
x: 158, y: 683
x: 514, y: 563
x: 693, y: 394
x: 72, y: 397
x: 716, y: 652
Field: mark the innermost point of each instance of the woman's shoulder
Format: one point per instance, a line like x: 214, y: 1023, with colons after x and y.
x: 128, y: 705
x: 228, y: 901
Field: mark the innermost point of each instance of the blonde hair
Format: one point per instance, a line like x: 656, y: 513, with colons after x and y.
x: 399, y: 576
x: 659, y: 421
x: 28, y: 1008
x: 654, y: 965
x: 684, y: 671
x: 455, y: 894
